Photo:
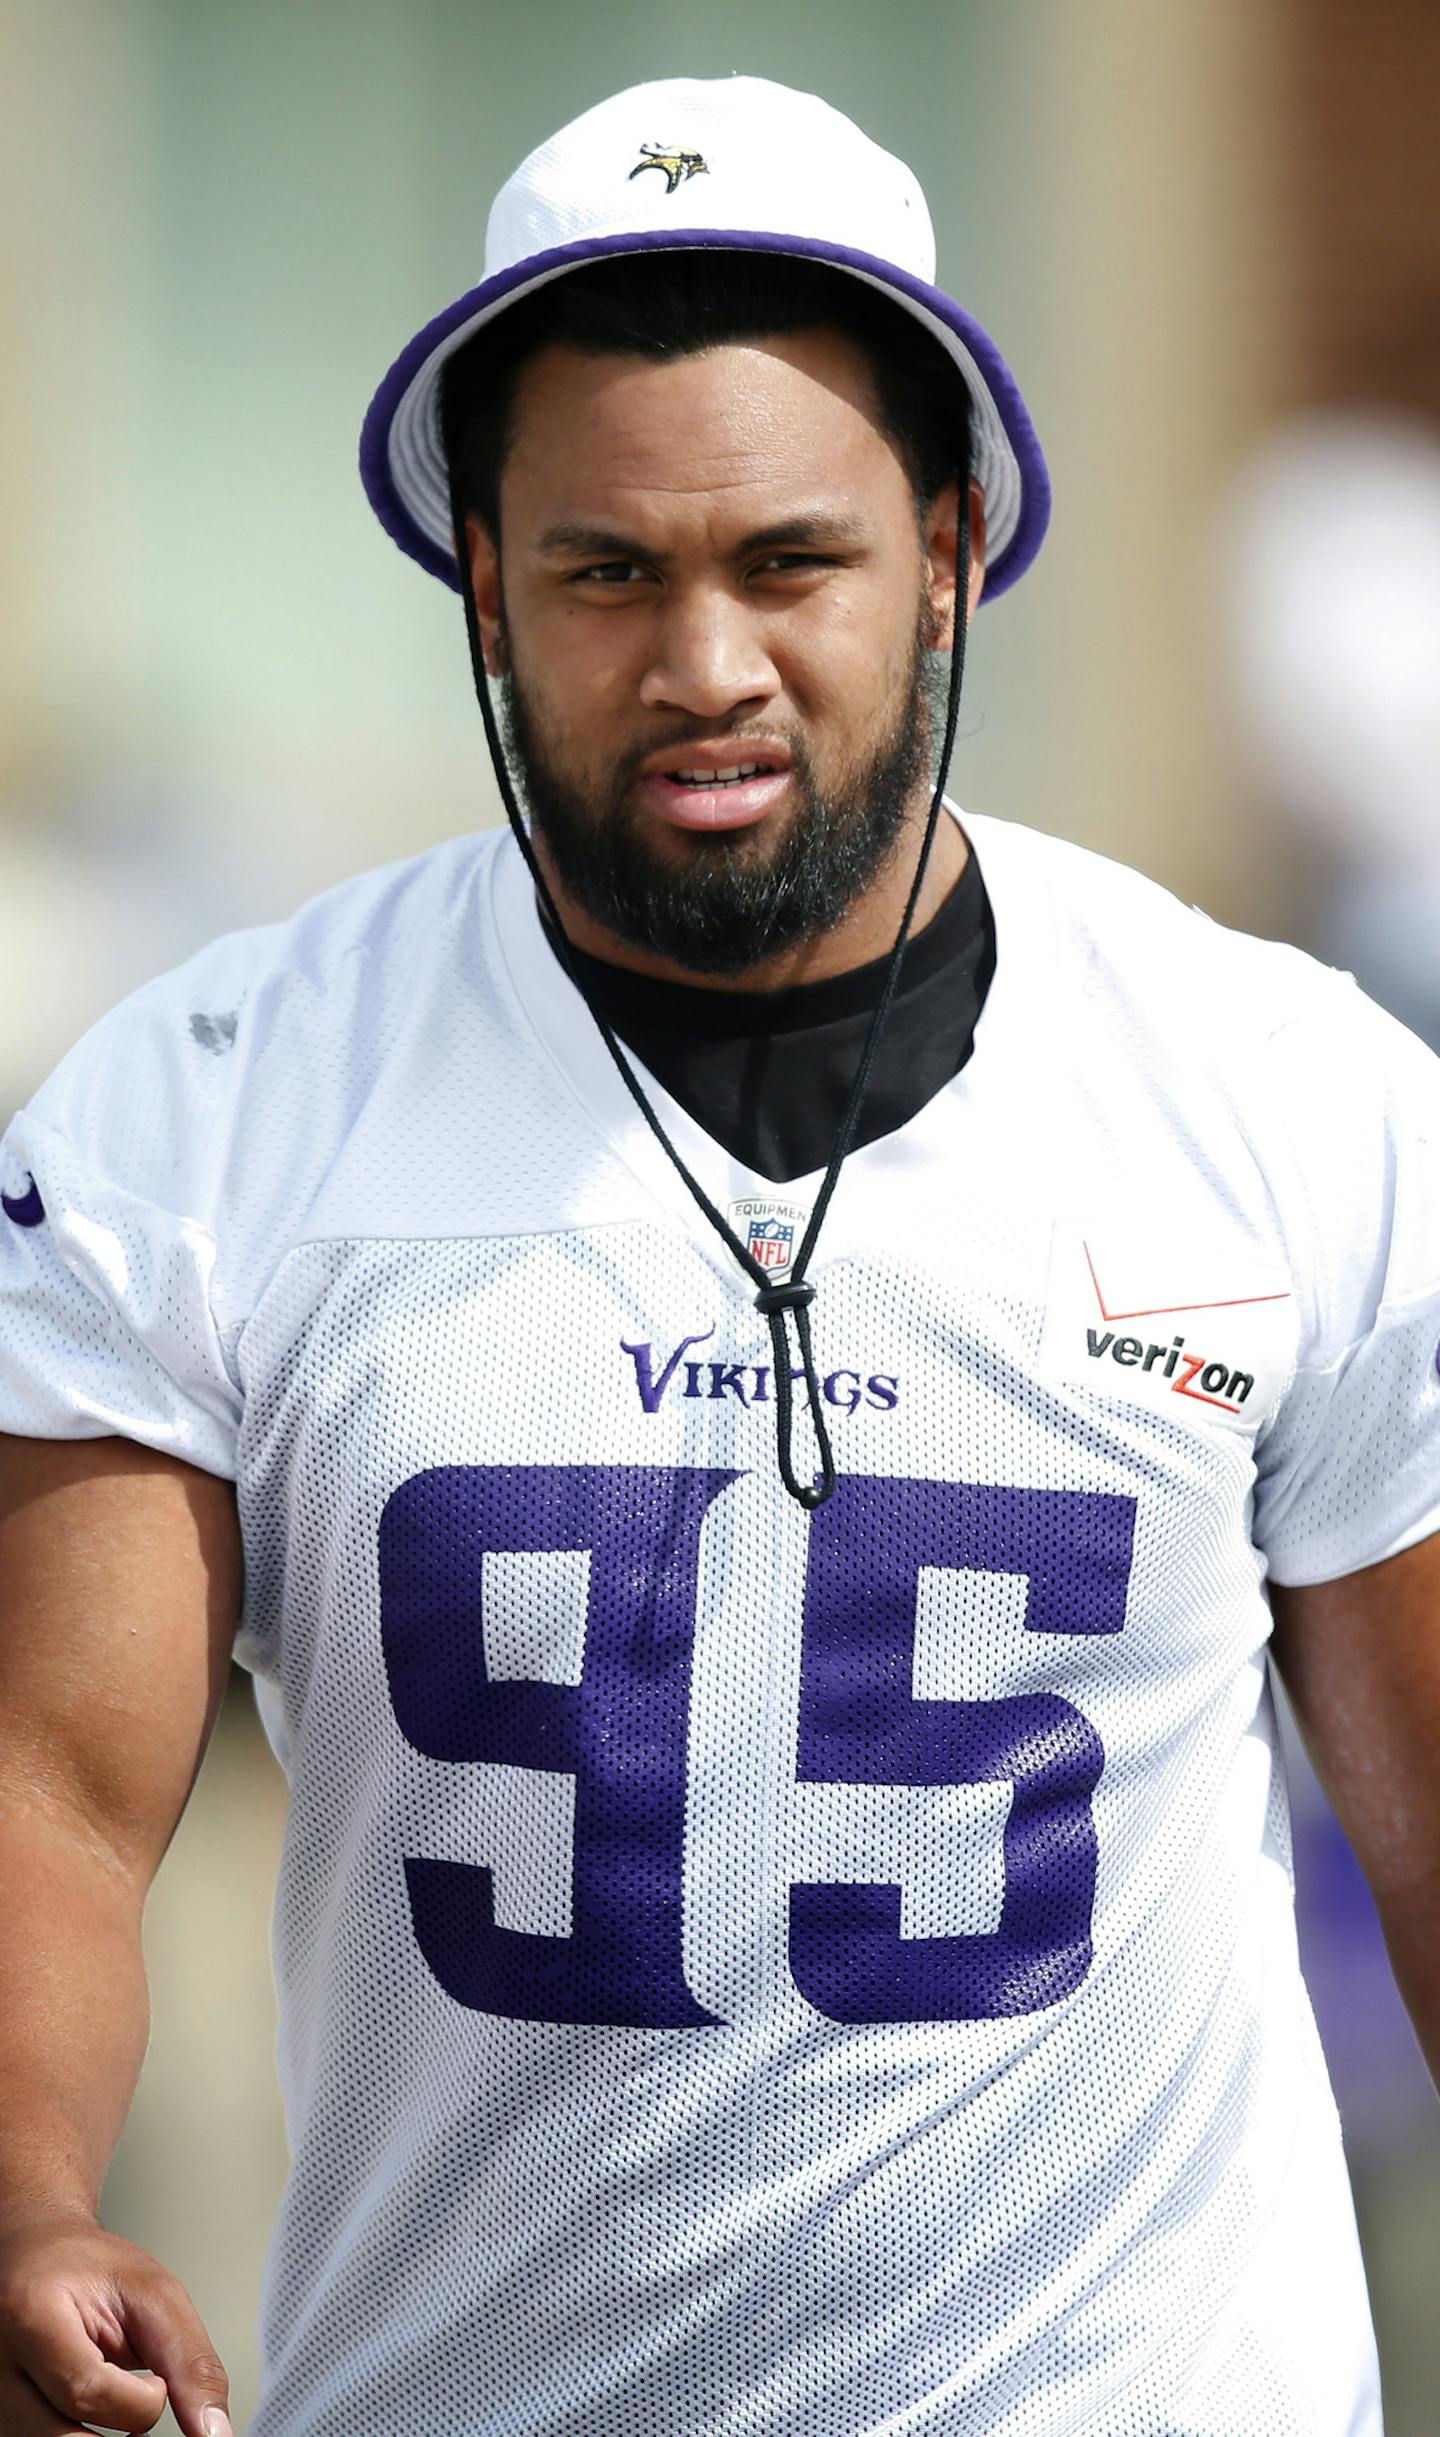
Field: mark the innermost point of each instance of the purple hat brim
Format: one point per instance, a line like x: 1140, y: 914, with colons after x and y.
x: 931, y: 305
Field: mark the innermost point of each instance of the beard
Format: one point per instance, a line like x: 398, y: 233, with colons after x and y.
x: 737, y: 896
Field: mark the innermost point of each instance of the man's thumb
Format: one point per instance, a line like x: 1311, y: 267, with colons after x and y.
x: 169, y: 2335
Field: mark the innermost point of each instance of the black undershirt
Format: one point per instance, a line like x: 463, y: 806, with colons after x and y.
x: 768, y: 1072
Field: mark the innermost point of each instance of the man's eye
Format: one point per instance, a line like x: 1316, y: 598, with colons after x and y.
x: 613, y: 571
x: 793, y: 562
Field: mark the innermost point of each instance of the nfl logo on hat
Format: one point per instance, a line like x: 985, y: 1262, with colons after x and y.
x: 770, y: 1242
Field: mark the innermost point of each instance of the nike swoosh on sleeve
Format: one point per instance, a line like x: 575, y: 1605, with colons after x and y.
x: 26, y: 1211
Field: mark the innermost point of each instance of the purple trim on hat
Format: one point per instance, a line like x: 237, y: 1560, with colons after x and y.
x: 1010, y: 407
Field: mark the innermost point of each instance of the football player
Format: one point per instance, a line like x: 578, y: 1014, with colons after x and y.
x: 775, y: 1360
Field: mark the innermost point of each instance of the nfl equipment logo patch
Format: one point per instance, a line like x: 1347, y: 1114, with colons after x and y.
x: 769, y: 1230
x: 770, y: 1242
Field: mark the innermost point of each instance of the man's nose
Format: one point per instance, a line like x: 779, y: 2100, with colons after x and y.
x: 710, y: 656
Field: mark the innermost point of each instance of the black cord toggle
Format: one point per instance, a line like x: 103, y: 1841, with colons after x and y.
x: 796, y: 1296
x: 790, y: 1296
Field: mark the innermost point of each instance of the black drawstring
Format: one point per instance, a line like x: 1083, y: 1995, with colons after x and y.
x: 795, y: 1294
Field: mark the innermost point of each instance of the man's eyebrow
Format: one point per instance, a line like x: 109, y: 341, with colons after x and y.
x: 821, y: 528
x: 589, y: 541
x: 814, y: 529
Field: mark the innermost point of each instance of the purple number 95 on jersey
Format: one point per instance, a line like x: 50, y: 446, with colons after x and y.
x: 621, y: 1731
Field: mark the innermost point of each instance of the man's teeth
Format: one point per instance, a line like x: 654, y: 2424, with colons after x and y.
x: 720, y: 778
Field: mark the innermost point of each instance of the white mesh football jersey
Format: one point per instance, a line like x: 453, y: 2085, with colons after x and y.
x: 741, y: 1971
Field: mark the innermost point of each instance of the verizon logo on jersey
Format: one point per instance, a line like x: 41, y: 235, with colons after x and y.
x: 1210, y: 1383
x: 1140, y: 1312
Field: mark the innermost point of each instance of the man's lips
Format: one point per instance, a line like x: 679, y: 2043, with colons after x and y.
x: 716, y: 786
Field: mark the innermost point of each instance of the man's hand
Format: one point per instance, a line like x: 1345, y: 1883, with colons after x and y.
x: 81, y: 2311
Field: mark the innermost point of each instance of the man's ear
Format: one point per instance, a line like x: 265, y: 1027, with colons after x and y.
x: 484, y: 557
x: 942, y: 559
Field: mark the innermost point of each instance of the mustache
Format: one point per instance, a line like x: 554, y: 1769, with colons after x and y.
x: 723, y: 906
x: 709, y: 732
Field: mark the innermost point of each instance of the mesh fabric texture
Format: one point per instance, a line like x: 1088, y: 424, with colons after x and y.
x: 745, y: 1971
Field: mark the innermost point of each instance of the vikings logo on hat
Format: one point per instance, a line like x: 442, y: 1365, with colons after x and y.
x: 677, y: 165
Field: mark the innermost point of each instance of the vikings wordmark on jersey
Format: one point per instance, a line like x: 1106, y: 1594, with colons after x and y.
x: 749, y: 1970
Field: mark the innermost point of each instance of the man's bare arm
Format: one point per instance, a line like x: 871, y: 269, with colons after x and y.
x: 1360, y: 1659
x: 120, y: 1577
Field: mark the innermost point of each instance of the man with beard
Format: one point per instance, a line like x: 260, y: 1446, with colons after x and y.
x: 785, y: 1920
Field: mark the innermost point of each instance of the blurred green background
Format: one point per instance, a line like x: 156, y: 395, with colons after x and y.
x: 221, y: 687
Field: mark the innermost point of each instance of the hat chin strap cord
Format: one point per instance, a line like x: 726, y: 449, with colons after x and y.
x: 793, y: 1296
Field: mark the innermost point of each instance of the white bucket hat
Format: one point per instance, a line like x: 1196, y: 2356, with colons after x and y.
x: 685, y: 164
